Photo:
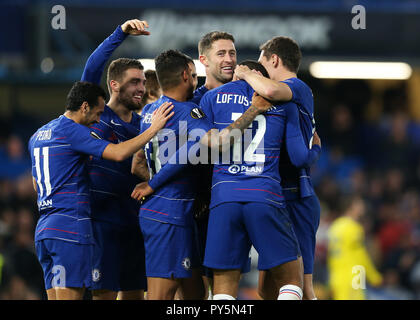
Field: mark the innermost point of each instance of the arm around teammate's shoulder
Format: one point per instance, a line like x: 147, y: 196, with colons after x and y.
x: 121, y: 151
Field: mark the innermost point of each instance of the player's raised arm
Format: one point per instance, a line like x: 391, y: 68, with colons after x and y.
x: 123, y: 150
x: 268, y: 88
x: 215, y: 139
x: 97, y: 60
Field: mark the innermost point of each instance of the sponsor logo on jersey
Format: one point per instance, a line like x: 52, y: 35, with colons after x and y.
x: 186, y: 263
x: 197, y: 113
x: 234, y: 169
x: 96, y: 275
x: 45, y: 204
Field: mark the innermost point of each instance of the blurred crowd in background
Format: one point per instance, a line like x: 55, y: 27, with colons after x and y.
x: 370, y: 150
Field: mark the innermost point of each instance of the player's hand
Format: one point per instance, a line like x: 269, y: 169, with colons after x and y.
x: 316, y: 139
x: 260, y: 103
x: 161, y: 116
x: 141, y: 191
x: 241, y: 71
x: 135, y: 27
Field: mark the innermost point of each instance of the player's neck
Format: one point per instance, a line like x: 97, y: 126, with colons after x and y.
x: 122, y: 111
x: 176, y: 93
x: 284, y: 75
x: 212, y: 83
x: 74, y: 115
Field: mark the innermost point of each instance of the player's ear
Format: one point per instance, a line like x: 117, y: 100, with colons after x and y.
x: 84, y: 107
x: 185, y: 76
x: 114, y: 85
x: 275, y: 60
x: 203, y: 60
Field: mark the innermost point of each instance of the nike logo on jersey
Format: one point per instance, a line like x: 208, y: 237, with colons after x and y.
x: 115, y: 124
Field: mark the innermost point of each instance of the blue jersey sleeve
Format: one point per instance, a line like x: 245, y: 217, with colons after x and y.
x: 299, y: 153
x: 96, y: 62
x: 190, y: 150
x: 300, y: 92
x: 83, y: 141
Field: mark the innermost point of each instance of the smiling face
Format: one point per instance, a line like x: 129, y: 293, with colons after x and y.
x: 221, y: 60
x: 132, y: 89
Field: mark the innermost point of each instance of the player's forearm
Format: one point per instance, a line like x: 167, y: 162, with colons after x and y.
x: 269, y: 89
x: 97, y: 60
x: 121, y: 151
x: 139, y: 167
x: 220, y: 140
x: 300, y: 155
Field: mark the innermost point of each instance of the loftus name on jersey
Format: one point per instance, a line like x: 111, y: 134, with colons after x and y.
x: 232, y: 98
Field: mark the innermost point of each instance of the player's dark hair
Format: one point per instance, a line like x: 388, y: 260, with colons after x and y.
x: 286, y: 48
x: 255, y: 65
x: 152, y: 86
x: 169, y: 66
x: 118, y: 67
x: 207, y: 40
x: 82, y: 91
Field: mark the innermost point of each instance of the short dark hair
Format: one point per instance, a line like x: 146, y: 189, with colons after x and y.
x: 207, y: 40
x: 286, y: 48
x: 255, y: 65
x: 169, y: 66
x: 117, y: 68
x: 83, y: 91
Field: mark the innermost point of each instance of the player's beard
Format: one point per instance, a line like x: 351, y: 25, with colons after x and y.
x: 190, y: 92
x: 222, y: 78
x: 126, y: 99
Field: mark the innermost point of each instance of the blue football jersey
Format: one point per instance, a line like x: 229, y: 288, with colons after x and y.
x: 198, y: 94
x: 59, y: 152
x: 251, y: 173
x: 296, y: 181
x: 110, y: 180
x: 172, y: 202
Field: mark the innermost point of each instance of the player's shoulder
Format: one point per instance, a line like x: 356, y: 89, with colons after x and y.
x: 298, y: 84
x: 198, y: 94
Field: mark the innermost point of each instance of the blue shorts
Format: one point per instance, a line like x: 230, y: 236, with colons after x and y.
x: 65, y: 264
x: 171, y: 250
x: 118, y: 257
x: 235, y: 226
x: 200, y: 231
x: 305, y: 214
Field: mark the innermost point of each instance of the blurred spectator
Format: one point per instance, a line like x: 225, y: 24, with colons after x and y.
x: 14, y: 160
x: 347, y: 251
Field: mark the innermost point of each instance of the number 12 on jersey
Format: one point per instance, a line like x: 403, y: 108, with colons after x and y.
x: 250, y: 154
